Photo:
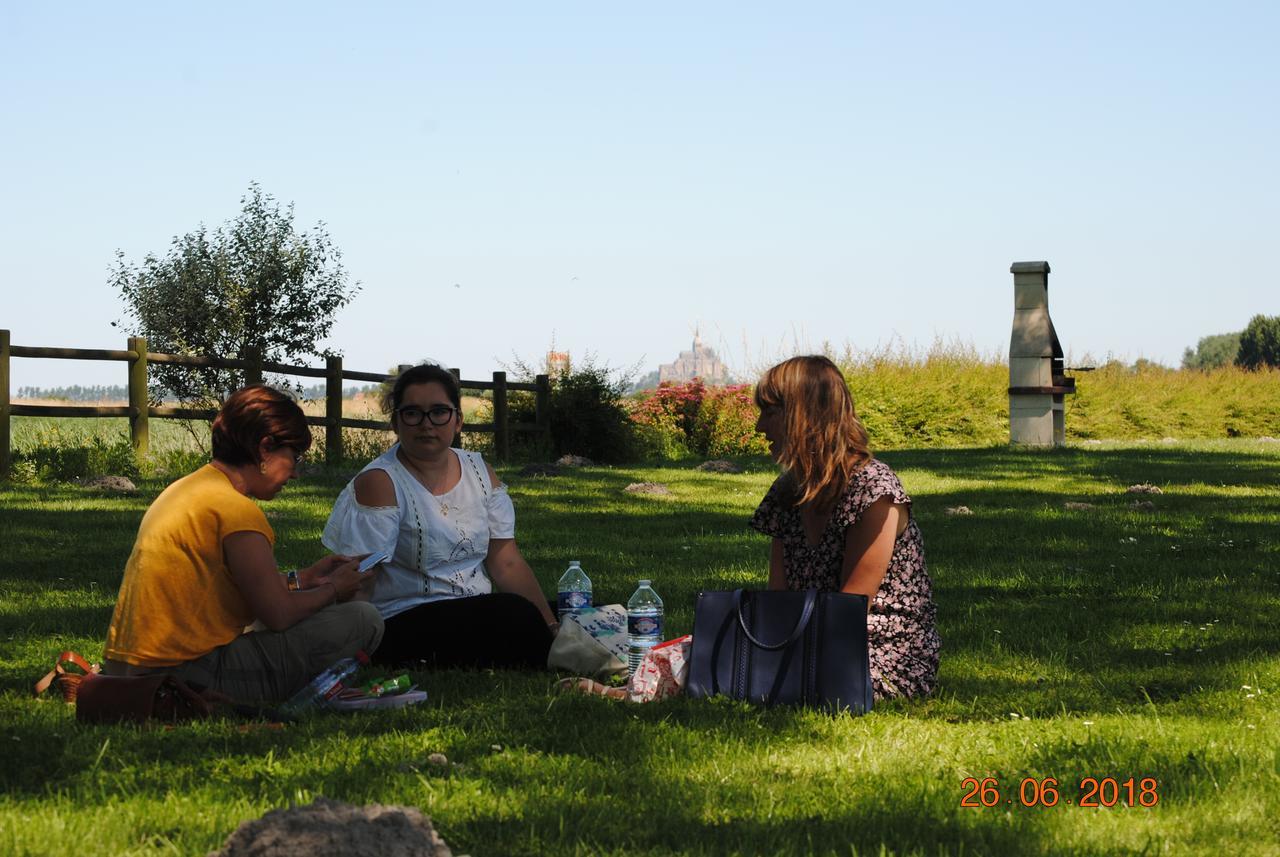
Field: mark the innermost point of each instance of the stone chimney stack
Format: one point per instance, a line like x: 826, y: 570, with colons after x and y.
x: 1037, y: 376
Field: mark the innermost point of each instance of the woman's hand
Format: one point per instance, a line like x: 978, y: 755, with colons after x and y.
x: 312, y: 576
x: 343, y: 574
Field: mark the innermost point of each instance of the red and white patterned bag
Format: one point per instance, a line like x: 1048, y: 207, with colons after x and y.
x: 662, y: 673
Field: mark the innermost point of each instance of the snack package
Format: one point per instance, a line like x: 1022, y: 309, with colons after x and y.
x: 662, y: 673
x: 387, y: 686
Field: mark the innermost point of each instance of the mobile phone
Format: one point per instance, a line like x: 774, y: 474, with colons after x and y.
x: 371, y: 560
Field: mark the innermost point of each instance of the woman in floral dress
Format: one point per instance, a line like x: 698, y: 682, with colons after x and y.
x: 841, y: 521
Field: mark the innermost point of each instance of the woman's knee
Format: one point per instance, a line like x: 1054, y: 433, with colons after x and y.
x: 359, y: 621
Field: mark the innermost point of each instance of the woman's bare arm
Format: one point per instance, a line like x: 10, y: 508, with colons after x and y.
x: 777, y: 577
x: 868, y: 547
x: 511, y: 573
x: 265, y: 590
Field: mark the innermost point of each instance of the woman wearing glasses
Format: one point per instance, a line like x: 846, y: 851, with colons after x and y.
x: 203, y: 568
x: 449, y: 526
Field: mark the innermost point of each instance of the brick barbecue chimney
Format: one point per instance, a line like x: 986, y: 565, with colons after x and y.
x: 1037, y: 377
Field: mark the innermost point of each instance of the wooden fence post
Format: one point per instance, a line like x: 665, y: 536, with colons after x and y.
x: 333, y: 409
x: 542, y: 406
x: 6, y: 458
x: 457, y: 376
x: 501, y: 426
x: 139, y: 413
x: 253, y: 375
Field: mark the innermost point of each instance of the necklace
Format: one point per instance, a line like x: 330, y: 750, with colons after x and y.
x: 431, y: 489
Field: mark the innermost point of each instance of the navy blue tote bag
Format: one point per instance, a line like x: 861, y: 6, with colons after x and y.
x: 782, y: 648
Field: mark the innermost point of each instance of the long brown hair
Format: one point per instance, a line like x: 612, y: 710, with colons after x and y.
x: 825, y: 441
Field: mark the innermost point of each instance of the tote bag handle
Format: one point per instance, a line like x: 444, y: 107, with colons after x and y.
x: 810, y: 598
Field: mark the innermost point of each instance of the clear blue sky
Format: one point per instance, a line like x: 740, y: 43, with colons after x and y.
x: 781, y: 174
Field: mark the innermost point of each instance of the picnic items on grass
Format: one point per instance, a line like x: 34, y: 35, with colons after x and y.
x: 137, y: 699
x: 662, y: 671
x: 582, y: 684
x: 782, y: 647
x: 591, y: 642
x: 661, y: 675
x: 394, y: 692
x: 67, y: 682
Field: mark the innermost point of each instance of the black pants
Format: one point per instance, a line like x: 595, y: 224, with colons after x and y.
x: 498, y: 630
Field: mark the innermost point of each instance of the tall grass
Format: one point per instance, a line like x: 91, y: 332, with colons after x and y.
x: 953, y: 395
x: 948, y: 395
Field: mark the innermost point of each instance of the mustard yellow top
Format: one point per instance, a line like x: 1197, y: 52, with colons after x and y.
x: 177, y: 601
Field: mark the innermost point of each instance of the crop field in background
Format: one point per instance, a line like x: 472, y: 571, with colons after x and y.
x: 1094, y: 640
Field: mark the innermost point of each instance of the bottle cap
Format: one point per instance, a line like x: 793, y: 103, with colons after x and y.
x: 575, y: 562
x: 645, y: 582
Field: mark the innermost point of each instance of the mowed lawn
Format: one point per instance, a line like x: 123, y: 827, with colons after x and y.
x: 1099, y: 641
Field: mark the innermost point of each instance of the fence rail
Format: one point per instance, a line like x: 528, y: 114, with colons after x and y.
x: 140, y: 411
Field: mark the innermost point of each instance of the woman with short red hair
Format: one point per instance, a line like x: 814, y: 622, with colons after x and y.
x: 202, y: 571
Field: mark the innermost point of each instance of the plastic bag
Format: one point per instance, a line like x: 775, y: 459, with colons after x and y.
x: 591, y: 642
x: 662, y: 672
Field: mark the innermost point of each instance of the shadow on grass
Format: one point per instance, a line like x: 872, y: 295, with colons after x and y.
x: 1087, y: 602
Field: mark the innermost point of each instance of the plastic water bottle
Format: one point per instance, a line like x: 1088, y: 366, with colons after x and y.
x: 644, y: 624
x: 574, y: 589
x: 323, y: 687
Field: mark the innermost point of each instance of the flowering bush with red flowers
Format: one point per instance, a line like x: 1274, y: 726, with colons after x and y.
x: 691, y: 419
x: 726, y: 423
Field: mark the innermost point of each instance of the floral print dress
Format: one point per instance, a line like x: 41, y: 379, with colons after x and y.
x: 901, y: 634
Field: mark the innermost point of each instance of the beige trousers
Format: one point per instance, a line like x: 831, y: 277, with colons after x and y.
x: 270, y: 666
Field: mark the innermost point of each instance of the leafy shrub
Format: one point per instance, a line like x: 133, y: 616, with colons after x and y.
x: 667, y: 418
x: 726, y: 424
x: 1260, y: 343
x: 1212, y: 351
x: 586, y: 414
x: 679, y: 420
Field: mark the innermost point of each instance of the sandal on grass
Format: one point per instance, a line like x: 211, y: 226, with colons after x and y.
x: 68, y: 682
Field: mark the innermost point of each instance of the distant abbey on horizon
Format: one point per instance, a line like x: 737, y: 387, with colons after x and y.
x: 699, y: 361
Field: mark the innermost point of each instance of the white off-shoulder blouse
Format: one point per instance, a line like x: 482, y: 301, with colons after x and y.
x: 438, y: 543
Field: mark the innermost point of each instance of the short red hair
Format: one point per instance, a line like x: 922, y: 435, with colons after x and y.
x: 252, y: 414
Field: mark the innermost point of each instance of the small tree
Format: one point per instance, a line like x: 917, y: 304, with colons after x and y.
x: 253, y: 287
x: 1212, y: 351
x: 1260, y: 343
x: 586, y: 413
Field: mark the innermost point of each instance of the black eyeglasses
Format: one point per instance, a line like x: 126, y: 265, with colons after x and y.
x: 439, y: 415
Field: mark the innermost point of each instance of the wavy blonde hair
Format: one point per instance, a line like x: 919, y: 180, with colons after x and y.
x: 825, y: 441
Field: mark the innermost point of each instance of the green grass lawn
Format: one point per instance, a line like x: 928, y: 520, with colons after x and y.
x: 1109, y: 641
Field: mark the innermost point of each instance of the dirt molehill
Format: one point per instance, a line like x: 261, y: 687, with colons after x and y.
x: 718, y: 465
x: 656, y: 488
x: 112, y: 484
x: 326, y: 827
x: 575, y: 461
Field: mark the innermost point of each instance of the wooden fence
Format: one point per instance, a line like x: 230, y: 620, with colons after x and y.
x: 140, y: 411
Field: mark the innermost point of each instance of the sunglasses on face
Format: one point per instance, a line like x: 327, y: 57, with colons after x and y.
x: 439, y: 415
